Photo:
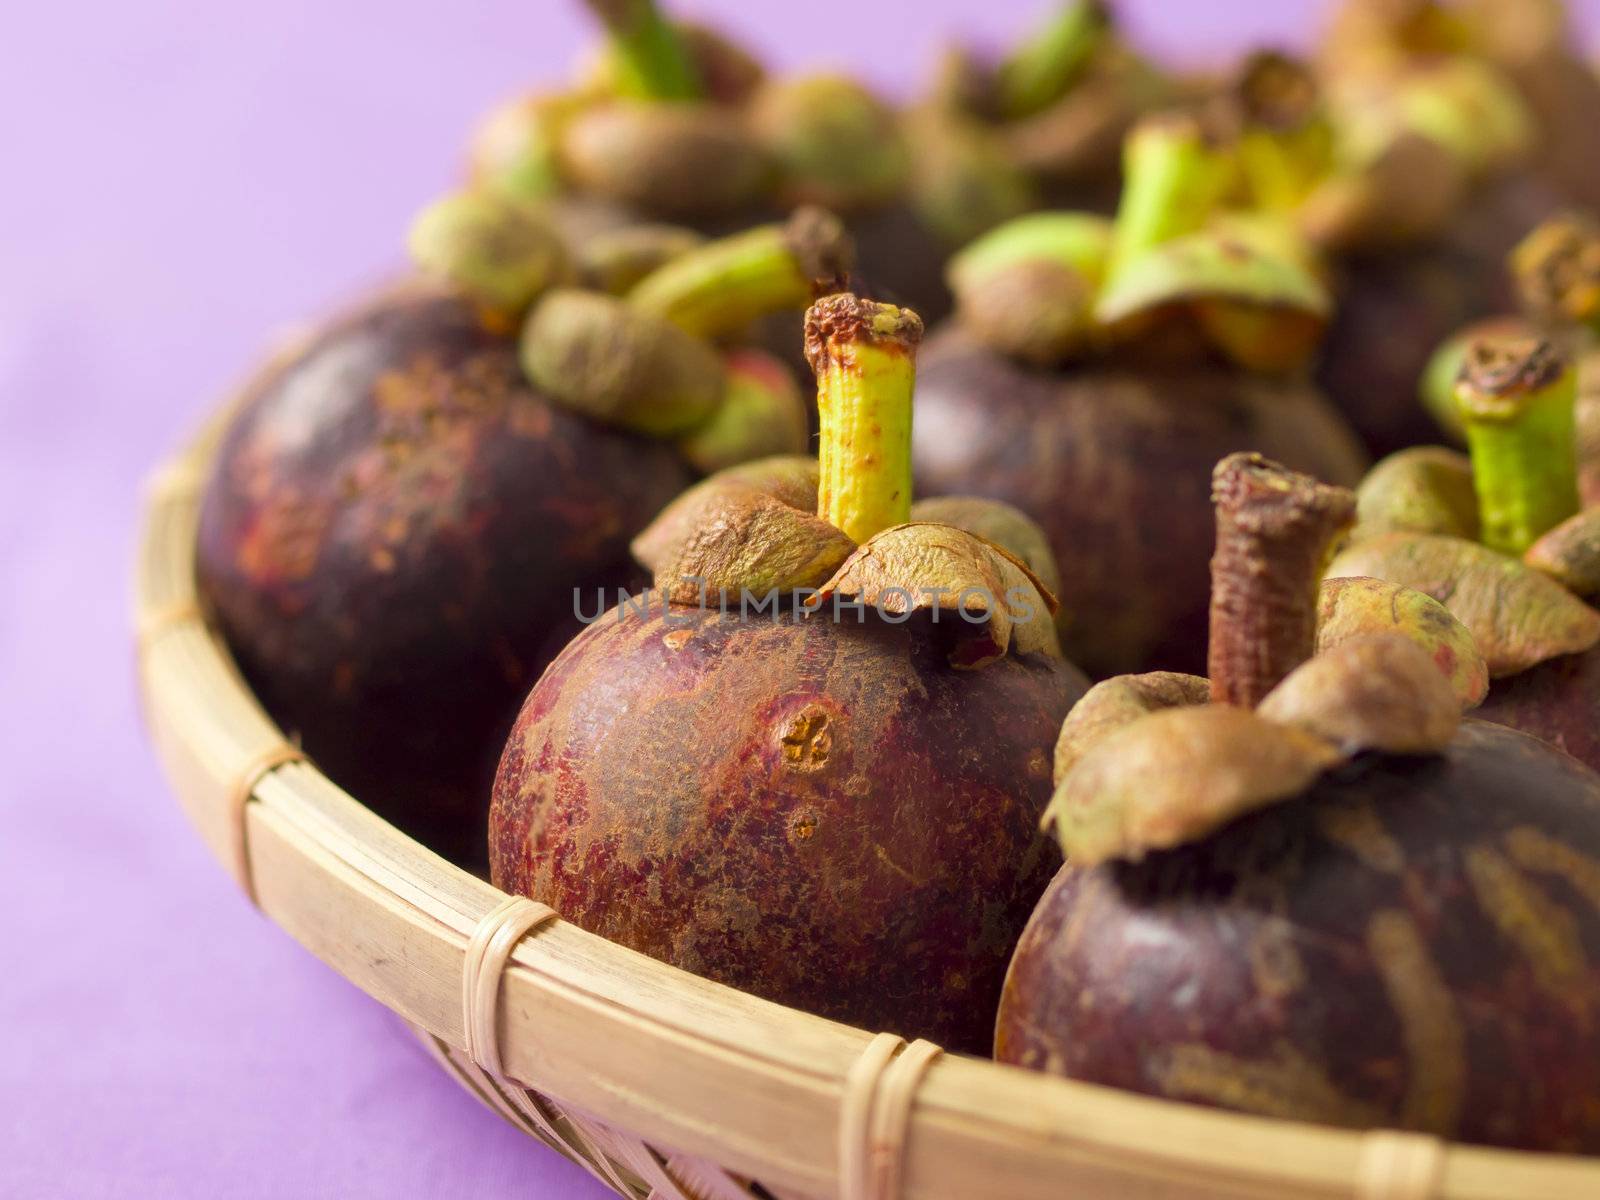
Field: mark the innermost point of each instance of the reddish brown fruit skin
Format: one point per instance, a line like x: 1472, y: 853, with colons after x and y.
x: 1343, y: 937
x: 1114, y: 462
x: 827, y: 815
x: 1396, y: 306
x: 1557, y: 700
x: 390, y: 540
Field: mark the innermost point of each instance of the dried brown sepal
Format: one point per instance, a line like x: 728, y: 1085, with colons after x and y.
x: 598, y: 356
x: 1517, y: 616
x: 1275, y: 528
x: 1425, y: 489
x: 1377, y: 692
x: 1174, y: 776
x: 990, y: 599
x: 1570, y: 554
x: 1119, y: 701
x: 1003, y: 524
x: 677, y: 160
x: 1359, y: 607
x: 789, y: 479
x: 746, y: 544
x: 614, y: 260
x: 792, y: 478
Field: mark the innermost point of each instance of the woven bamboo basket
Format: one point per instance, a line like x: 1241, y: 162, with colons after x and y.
x: 663, y: 1085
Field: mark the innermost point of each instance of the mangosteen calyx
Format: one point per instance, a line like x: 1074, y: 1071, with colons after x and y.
x: 842, y: 528
x: 1497, y: 538
x: 1150, y: 762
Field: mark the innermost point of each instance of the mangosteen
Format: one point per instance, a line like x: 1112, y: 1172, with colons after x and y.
x: 1533, y: 44
x: 807, y: 763
x: 1449, y: 152
x: 1307, y: 888
x: 1055, y: 110
x: 1555, y: 276
x: 678, y: 124
x: 400, y: 512
x: 1499, y: 538
x: 1095, y: 372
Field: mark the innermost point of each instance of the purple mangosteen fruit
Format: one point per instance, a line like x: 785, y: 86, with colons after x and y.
x: 807, y: 764
x: 1096, y: 370
x: 400, y: 510
x: 1306, y: 888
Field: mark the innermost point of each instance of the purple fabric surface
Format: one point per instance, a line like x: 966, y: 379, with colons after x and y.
x: 179, y: 180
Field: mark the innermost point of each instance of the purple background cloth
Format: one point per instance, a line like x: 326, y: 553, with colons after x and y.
x: 177, y: 181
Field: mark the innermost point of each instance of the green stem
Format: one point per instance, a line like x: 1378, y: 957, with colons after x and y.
x: 1043, y: 68
x: 652, y: 61
x: 1286, y: 148
x: 864, y: 356
x: 719, y: 288
x: 1175, y: 173
x: 1517, y: 397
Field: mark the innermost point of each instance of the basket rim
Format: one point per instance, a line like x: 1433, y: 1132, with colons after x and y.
x: 678, y: 1060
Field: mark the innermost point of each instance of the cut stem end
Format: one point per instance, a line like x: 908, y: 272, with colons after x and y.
x: 1275, y: 530
x: 1517, y: 397
x: 864, y: 357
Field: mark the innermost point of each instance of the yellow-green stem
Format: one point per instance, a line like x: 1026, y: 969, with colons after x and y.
x: 719, y: 288
x: 1176, y: 172
x: 651, y: 59
x: 1517, y: 397
x: 864, y: 356
x: 1286, y: 148
x: 1042, y: 69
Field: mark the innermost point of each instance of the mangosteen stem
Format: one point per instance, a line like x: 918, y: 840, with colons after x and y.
x: 864, y: 356
x: 1557, y: 271
x: 1176, y: 170
x: 1275, y: 530
x: 1041, y: 70
x: 1286, y: 147
x: 652, y: 61
x: 1517, y: 397
x: 719, y: 288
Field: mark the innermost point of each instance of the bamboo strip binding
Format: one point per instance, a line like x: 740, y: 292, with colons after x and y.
x: 875, y: 1114
x: 1400, y: 1166
x: 240, y: 795
x: 488, y: 950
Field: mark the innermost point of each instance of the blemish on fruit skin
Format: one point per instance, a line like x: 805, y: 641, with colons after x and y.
x: 1445, y: 657
x: 803, y: 826
x: 806, y: 739
x: 677, y: 639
